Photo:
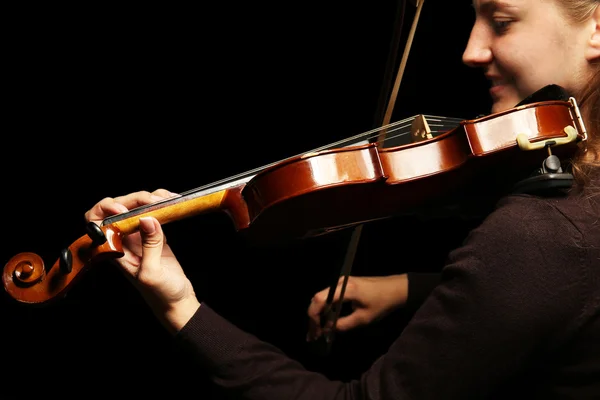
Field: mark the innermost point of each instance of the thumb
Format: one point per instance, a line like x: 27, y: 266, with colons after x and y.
x: 351, y: 321
x: 152, y: 244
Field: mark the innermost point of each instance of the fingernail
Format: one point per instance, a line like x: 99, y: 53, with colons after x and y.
x: 147, y: 225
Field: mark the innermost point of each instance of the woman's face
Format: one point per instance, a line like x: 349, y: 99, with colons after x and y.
x: 524, y: 45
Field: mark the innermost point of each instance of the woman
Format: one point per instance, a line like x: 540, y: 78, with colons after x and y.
x: 490, y: 48
x: 517, y: 308
x: 506, y: 58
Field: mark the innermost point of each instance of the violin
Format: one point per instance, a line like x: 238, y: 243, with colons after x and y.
x: 363, y: 178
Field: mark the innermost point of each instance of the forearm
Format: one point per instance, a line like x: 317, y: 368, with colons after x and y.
x: 249, y: 368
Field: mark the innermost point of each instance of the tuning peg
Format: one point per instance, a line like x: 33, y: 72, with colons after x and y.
x: 95, y: 233
x: 66, y: 261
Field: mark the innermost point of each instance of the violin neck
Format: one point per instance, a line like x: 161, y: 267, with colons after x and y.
x: 228, y: 200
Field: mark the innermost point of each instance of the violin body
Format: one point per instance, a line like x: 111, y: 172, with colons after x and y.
x: 322, y: 191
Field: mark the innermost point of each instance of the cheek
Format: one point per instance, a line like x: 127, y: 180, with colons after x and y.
x: 527, y: 69
x: 522, y: 51
x: 508, y: 55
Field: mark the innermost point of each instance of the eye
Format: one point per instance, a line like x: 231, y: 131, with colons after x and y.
x: 501, y: 25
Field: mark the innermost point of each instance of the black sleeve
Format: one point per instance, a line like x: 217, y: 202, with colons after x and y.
x: 420, y: 285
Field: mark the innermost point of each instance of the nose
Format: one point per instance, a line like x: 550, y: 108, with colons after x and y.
x: 478, y: 51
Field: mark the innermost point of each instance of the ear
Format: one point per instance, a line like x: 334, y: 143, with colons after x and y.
x: 593, y: 49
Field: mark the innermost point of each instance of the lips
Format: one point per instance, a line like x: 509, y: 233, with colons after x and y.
x: 497, y: 84
x: 496, y: 90
x: 494, y: 79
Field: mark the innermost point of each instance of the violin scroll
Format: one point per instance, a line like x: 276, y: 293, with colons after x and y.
x: 27, y: 279
x: 25, y: 268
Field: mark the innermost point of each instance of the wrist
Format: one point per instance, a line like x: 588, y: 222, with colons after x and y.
x: 399, y: 289
x: 179, y: 314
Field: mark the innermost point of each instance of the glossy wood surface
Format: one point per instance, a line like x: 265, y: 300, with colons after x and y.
x: 497, y: 132
x: 40, y: 285
x: 319, y: 192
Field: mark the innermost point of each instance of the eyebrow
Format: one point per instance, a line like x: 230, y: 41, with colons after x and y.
x: 491, y: 5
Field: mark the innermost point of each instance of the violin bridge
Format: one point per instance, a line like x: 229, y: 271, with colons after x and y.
x: 420, y: 130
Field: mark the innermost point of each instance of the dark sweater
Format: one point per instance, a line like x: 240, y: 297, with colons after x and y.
x: 516, y: 315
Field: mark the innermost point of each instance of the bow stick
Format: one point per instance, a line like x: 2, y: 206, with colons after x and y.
x: 332, y: 308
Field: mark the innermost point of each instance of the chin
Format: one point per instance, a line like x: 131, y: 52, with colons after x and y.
x: 503, y: 105
x: 497, y: 107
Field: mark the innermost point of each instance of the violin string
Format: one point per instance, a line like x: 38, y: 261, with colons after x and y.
x: 365, y: 136
x: 395, y: 130
x: 394, y: 127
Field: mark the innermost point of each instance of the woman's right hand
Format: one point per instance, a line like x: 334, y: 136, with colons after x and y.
x: 372, y: 298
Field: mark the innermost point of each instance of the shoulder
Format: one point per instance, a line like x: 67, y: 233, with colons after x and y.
x: 520, y: 220
x: 525, y: 242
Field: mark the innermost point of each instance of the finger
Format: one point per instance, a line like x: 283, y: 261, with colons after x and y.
x: 111, y: 206
x: 314, y: 323
x: 318, y: 302
x: 318, y: 306
x: 152, y: 244
x: 351, y: 321
x: 315, y: 309
x: 103, y: 209
x: 164, y: 193
x: 141, y: 198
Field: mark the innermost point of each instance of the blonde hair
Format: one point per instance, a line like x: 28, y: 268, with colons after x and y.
x: 588, y: 159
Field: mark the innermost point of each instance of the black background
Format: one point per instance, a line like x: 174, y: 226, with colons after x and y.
x: 105, y: 100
